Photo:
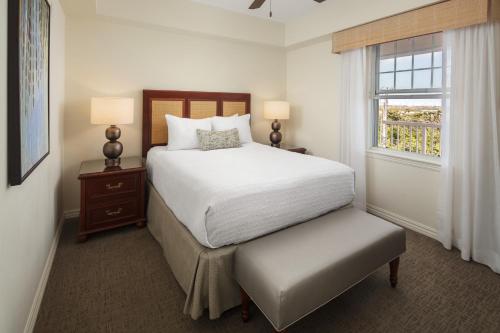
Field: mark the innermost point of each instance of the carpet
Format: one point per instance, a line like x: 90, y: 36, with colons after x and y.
x: 118, y: 281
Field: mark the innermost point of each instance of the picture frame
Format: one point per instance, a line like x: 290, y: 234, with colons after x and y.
x: 28, y: 92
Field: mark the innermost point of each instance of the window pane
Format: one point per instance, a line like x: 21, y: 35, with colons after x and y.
x: 406, y: 69
x: 403, y: 63
x: 403, y: 80
x: 437, y: 78
x: 404, y: 47
x: 422, y: 79
x: 387, y: 65
x: 422, y: 60
x: 422, y: 43
x: 412, y: 125
x: 387, y: 49
x: 438, y: 59
x: 438, y: 40
x: 386, y: 81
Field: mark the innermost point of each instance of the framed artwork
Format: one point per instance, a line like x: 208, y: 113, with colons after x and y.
x: 28, y: 86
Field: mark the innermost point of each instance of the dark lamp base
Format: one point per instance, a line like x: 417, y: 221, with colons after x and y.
x: 110, y: 162
x: 275, y: 136
x: 113, y: 148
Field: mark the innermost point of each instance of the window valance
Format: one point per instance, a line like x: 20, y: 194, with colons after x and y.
x: 446, y: 15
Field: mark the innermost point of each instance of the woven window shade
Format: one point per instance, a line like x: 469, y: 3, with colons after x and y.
x: 202, y: 109
x: 495, y: 10
x: 159, y: 108
x: 232, y: 108
x: 451, y: 14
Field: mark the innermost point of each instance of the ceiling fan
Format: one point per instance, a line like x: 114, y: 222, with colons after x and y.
x: 258, y: 3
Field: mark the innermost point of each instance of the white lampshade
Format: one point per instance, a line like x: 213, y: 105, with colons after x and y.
x: 276, y: 110
x: 111, y: 110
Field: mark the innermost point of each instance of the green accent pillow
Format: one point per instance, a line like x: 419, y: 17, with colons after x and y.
x: 210, y: 140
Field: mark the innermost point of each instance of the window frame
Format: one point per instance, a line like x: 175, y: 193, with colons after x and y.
x: 412, y: 70
x: 418, y: 93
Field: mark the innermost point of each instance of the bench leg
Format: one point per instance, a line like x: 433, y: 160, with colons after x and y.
x: 394, y: 266
x: 245, y: 304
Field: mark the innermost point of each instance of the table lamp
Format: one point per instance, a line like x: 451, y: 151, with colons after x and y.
x: 112, y: 111
x: 276, y: 110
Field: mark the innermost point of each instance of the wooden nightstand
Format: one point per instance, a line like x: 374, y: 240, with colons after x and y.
x: 111, y: 196
x: 294, y: 149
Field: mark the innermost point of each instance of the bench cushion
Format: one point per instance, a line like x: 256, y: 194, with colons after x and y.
x: 291, y: 273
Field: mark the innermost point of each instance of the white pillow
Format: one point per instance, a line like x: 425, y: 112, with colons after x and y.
x: 241, y: 123
x: 182, y: 132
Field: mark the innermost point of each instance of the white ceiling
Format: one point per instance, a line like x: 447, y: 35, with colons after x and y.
x: 283, y: 10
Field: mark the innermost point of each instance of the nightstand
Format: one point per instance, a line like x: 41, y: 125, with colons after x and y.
x: 111, y: 197
x: 294, y: 149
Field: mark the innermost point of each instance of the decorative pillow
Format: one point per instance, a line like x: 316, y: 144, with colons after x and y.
x: 242, y: 124
x: 210, y: 140
x: 182, y: 132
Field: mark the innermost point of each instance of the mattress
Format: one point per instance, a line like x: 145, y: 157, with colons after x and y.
x: 229, y: 196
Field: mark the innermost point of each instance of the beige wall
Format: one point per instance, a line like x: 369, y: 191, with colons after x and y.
x: 195, y: 17
x: 29, y: 213
x: 182, y: 15
x: 121, y: 50
x: 337, y: 15
x: 404, y: 192
x: 109, y: 57
x: 312, y: 82
x: 399, y: 191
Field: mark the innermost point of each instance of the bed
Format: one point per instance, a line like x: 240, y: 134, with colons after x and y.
x: 262, y: 190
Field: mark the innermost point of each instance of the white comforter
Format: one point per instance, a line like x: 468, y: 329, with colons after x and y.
x: 229, y: 196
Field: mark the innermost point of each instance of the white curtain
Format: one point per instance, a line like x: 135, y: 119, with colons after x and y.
x: 470, y: 208
x: 354, y: 113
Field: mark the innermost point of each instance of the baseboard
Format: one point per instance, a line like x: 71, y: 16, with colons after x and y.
x: 403, y: 221
x: 37, y: 301
x: 71, y: 214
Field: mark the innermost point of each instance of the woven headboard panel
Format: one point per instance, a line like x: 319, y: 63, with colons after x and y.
x: 187, y: 104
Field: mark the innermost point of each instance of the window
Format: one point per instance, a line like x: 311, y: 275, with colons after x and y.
x: 408, y: 95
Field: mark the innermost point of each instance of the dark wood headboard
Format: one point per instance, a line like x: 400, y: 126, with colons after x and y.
x: 187, y: 104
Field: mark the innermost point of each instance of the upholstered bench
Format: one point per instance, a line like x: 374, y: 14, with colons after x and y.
x: 291, y: 273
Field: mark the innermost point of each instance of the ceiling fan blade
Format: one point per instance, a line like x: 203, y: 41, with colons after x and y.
x: 256, y: 4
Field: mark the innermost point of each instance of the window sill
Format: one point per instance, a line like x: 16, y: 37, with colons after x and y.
x: 405, y: 158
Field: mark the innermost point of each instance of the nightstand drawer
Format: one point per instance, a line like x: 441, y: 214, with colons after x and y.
x: 112, y: 212
x: 123, y: 184
x: 111, y: 197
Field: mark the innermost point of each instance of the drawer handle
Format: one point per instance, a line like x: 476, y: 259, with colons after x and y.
x: 110, y: 212
x: 114, y: 187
